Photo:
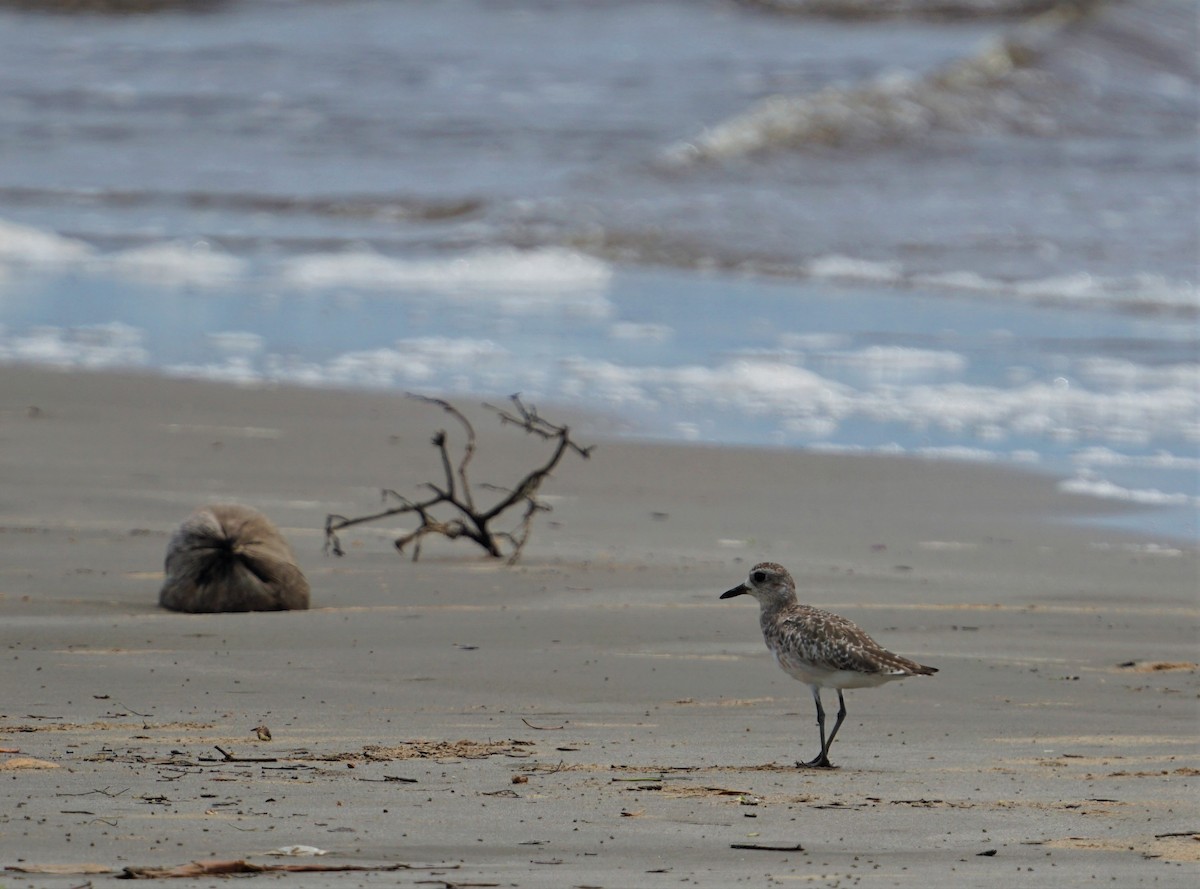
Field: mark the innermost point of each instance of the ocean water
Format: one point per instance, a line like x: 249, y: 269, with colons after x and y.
x: 963, y: 229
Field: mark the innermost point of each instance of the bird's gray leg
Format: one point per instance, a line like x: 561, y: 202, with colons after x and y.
x: 822, y: 760
x: 837, y: 725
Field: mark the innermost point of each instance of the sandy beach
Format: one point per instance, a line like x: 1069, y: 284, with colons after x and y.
x: 592, y: 716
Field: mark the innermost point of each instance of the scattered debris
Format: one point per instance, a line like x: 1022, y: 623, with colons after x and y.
x: 59, y: 869
x: 297, y: 851
x: 464, y: 749
x: 766, y: 847
x: 219, y: 867
x: 27, y: 762
x: 543, y: 728
x: 229, y: 757
x: 1157, y: 666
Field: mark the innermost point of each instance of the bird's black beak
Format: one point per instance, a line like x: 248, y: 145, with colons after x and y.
x: 736, y: 591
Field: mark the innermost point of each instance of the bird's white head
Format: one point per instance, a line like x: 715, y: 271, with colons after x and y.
x: 769, y: 583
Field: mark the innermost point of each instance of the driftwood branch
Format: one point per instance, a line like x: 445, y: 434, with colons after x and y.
x: 455, y: 491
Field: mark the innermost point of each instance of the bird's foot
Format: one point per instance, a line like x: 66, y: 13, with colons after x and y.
x: 821, y: 762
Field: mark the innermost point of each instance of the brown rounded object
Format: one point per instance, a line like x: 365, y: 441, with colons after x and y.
x: 227, y: 557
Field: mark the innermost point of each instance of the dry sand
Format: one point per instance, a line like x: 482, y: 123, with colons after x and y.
x: 593, y: 716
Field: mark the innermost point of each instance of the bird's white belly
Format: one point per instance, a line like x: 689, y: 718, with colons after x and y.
x: 821, y: 677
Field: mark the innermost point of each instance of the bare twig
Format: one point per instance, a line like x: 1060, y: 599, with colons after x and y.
x: 543, y: 728
x: 226, y: 756
x: 455, y: 492
x: 439, y: 440
x: 134, y: 712
x: 102, y: 791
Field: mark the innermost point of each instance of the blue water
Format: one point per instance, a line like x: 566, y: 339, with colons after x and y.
x: 716, y: 223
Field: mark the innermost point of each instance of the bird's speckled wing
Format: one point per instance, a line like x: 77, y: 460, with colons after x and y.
x: 829, y: 641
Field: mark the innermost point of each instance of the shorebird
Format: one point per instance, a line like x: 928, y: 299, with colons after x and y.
x: 821, y: 649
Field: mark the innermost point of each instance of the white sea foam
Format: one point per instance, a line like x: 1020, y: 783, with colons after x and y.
x: 1150, y: 404
x: 1096, y: 487
x: 1151, y: 549
x: 1144, y: 290
x: 26, y: 245
x: 808, y: 404
x: 949, y: 452
x: 1147, y: 292
x: 1124, y: 374
x: 897, y: 361
x: 237, y: 369
x: 847, y: 268
x: 177, y: 265
x: 455, y: 364
x: 1101, y: 456
x: 1140, y: 292
x: 239, y: 366
x: 416, y: 361
x: 166, y: 264
x: 89, y: 347
x: 512, y: 281
x: 469, y: 363
x: 606, y: 383
x: 1037, y: 409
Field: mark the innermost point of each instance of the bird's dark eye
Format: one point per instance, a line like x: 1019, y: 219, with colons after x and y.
x: 758, y: 576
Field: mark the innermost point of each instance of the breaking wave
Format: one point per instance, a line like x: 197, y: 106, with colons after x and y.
x: 513, y: 281
x: 24, y: 245
x: 998, y: 89
x: 1144, y: 292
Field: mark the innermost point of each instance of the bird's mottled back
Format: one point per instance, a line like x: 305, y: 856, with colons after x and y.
x: 828, y: 641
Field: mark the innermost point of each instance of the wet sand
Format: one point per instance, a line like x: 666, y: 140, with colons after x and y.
x: 593, y: 716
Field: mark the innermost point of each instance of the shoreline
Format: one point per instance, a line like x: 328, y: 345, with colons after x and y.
x: 593, y: 715
x: 1081, y: 511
